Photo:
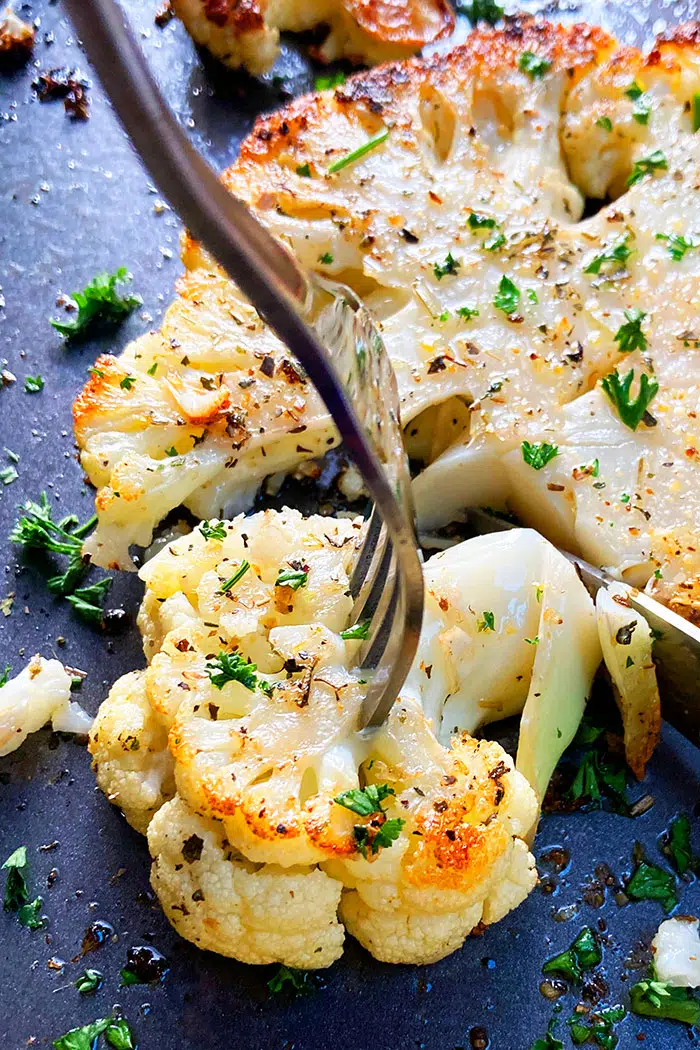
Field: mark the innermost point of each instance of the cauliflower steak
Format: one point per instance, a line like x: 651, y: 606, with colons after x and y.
x: 273, y: 822
x: 546, y: 362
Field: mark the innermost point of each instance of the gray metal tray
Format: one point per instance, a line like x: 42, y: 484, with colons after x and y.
x: 74, y: 200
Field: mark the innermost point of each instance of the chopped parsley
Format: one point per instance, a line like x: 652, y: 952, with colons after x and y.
x: 101, y: 301
x: 481, y: 222
x: 127, y: 382
x: 487, y: 621
x: 596, y: 1027
x: 467, y: 312
x: 598, y: 776
x: 29, y: 914
x: 533, y: 641
x: 329, y: 80
x: 630, y: 411
x: 605, y: 123
x: 548, y: 1041
x: 365, y: 801
x: 664, y: 1002
x: 233, y: 580
x: 232, y: 667
x: 538, y: 453
x: 584, y: 954
x: 118, y: 1035
x: 172, y: 451
x: 304, y: 170
x: 448, y: 268
x: 532, y: 296
x: 33, y: 384
x: 642, y: 108
x: 213, y: 532
x: 116, y: 1032
x: 676, y: 844
x: 5, y: 675
x: 294, y: 578
x: 696, y: 111
x: 153, y: 369
x: 651, y: 883
x: 292, y: 981
x: 618, y: 252
x: 355, y: 154
x: 377, y: 838
x: 16, y: 866
x: 326, y: 259
x: 496, y: 241
x: 534, y: 65
x: 630, y: 335
x: 482, y: 11
x: 88, y: 602
x: 359, y: 630
x: 507, y: 298
x: 656, y: 161
x: 8, y: 475
x: 678, y: 245
x: 89, y: 981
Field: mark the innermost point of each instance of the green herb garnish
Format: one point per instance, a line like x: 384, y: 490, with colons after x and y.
x: 651, y: 883
x: 630, y: 335
x: 617, y: 252
x: 534, y: 65
x: 359, y: 630
x: 5, y: 675
x: 329, y: 80
x: 213, y: 532
x: 487, y: 621
x: 477, y: 221
x: 584, y: 954
x: 631, y: 412
x: 678, y: 245
x: 294, y: 578
x: 467, y: 312
x: 33, y: 384
x: 642, y: 107
x: 355, y: 154
x: 127, y: 382
x: 233, y: 580
x: 605, y: 123
x: 449, y: 267
x: 304, y: 170
x: 8, y: 475
x: 365, y: 801
x: 29, y: 914
x: 82, y: 1038
x: 100, y: 302
x: 695, y: 106
x: 507, y: 298
x: 596, y: 1027
x: 656, y: 161
x: 677, y: 846
x: 88, y: 602
x: 16, y: 866
x: 664, y: 1002
x: 118, y: 1035
x: 326, y: 259
x: 482, y: 11
x: 288, y: 979
x: 89, y: 981
x: 232, y: 667
x: 538, y: 453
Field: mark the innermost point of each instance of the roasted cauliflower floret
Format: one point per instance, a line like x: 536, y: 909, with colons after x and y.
x: 238, y: 747
x: 246, y: 32
x: 508, y: 317
x: 38, y: 694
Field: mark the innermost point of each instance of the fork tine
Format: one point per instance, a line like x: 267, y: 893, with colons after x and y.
x: 367, y: 551
x: 383, y: 618
x: 368, y: 600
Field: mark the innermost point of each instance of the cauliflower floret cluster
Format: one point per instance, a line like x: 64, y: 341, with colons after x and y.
x: 38, y: 694
x: 273, y: 822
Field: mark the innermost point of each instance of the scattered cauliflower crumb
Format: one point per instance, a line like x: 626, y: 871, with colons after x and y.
x: 676, y: 949
x: 39, y: 693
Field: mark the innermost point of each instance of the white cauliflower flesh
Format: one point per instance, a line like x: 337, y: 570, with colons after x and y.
x: 676, y: 949
x: 247, y: 34
x: 507, y: 317
x: 38, y: 694
x: 273, y: 822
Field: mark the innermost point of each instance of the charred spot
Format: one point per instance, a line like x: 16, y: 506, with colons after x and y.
x: 213, y: 712
x: 292, y: 371
x: 267, y: 366
x: 192, y: 848
x: 437, y: 365
x: 183, y: 646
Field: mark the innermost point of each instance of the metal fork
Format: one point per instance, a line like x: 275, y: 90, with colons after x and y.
x: 338, y: 344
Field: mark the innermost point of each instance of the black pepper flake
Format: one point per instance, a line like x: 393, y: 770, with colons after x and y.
x: 267, y: 366
x: 213, y: 712
x: 437, y: 365
x: 192, y: 848
x: 409, y: 237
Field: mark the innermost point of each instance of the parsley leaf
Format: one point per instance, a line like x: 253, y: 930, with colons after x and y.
x: 678, y: 245
x: 213, y: 532
x: 33, y: 384
x: 5, y: 675
x: 605, y: 123
x: 329, y: 80
x: 387, y: 833
x: 127, y: 382
x: 304, y: 170
x: 28, y: 915
x: 664, y: 1001
x: 118, y: 1035
x: 232, y: 667
x: 326, y: 259
x: 365, y: 801
x: 696, y: 111
x: 36, y: 530
x: 538, y: 454
x: 89, y: 981
x: 289, y: 979
x: 449, y: 267
x: 493, y: 243
x: 487, y: 622
x: 548, y: 1041
x: 651, y: 883
x: 598, y: 1027
x: 642, y: 107
x: 355, y: 154
x: 656, y: 161
x: 618, y: 252
x: 477, y: 221
x: 677, y: 846
x: 584, y: 954
x: 482, y: 11
x: 88, y: 602
x: 100, y: 302
x: 16, y: 867
x: 233, y: 580
x: 467, y: 312
x: 631, y: 412
x: 630, y: 335
x: 8, y: 475
x: 294, y: 578
x: 359, y: 630
x: 507, y: 298
x: 534, y: 65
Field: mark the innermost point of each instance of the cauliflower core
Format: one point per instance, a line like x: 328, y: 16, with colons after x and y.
x: 232, y: 748
x: 38, y: 694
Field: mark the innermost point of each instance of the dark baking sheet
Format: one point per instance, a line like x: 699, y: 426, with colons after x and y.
x: 74, y: 200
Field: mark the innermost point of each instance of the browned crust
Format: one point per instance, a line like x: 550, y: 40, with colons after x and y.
x: 243, y: 16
